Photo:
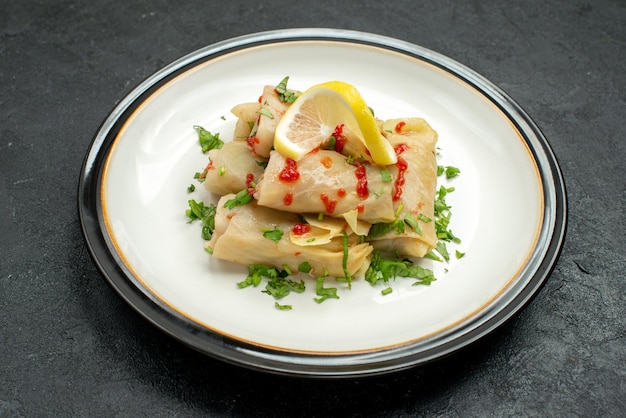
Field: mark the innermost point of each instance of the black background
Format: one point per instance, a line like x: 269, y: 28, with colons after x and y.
x: 70, y: 346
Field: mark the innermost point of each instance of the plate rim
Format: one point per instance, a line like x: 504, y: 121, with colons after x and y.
x: 238, y: 352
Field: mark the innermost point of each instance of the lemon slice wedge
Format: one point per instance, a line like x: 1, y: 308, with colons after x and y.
x: 313, y: 117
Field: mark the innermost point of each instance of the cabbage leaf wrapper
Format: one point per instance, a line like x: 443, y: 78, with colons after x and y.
x: 415, y: 144
x: 232, y: 168
x: 271, y: 110
x: 327, y: 184
x: 240, y: 236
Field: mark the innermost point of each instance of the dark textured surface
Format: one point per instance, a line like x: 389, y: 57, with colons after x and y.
x: 70, y: 346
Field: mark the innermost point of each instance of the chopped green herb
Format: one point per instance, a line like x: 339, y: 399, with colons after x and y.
x: 191, y: 188
x: 441, y: 227
x: 256, y: 272
x: 240, y: 199
x: 324, y: 292
x: 412, y: 222
x: 432, y: 256
x: 275, y: 234
x: 261, y: 163
x: 201, y: 176
x: 385, y: 269
x: 398, y: 225
x: 440, y: 200
x: 287, y: 269
x: 352, y: 160
x: 251, y: 280
x: 452, y: 172
x: 207, y: 140
x: 424, y: 218
x: 386, y: 291
x: 304, y: 267
x: 206, y: 214
x: 459, y: 254
x: 283, y: 307
x: 443, y: 250
x: 332, y: 142
x: 399, y: 210
x: 264, y: 111
x: 440, y: 170
x: 221, y: 171
x: 285, y: 95
x: 382, y: 228
x: 386, y: 175
x: 279, y: 287
x: 442, y: 216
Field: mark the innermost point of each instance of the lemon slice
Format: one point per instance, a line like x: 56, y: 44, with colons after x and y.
x: 313, y: 117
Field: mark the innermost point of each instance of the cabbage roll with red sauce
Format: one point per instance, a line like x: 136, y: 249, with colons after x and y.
x: 232, y: 168
x: 240, y: 237
x: 326, y: 182
x: 261, y: 138
x: 415, y: 183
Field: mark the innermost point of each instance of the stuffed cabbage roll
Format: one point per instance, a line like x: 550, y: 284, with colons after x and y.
x: 232, y: 168
x: 326, y: 182
x: 241, y: 236
x: 261, y: 138
x: 415, y: 183
x: 247, y: 115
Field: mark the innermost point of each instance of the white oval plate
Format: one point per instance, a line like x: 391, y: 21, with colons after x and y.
x: 509, y: 207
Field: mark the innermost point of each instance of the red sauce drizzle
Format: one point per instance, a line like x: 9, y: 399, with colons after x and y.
x: 252, y: 141
x: 399, y: 126
x: 340, y: 138
x: 327, y: 162
x: 400, y: 148
x: 249, y: 180
x: 260, y: 98
x: 290, y: 173
x: 360, y: 208
x: 301, y: 229
x: 328, y: 203
x: 361, y: 182
x: 341, y: 192
x: 402, y: 167
x: 250, y: 184
x: 288, y: 199
x: 204, y: 173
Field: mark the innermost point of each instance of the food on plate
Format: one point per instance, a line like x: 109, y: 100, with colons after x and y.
x: 312, y: 182
x: 239, y: 238
x: 325, y: 182
x: 415, y: 177
x: 231, y: 168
